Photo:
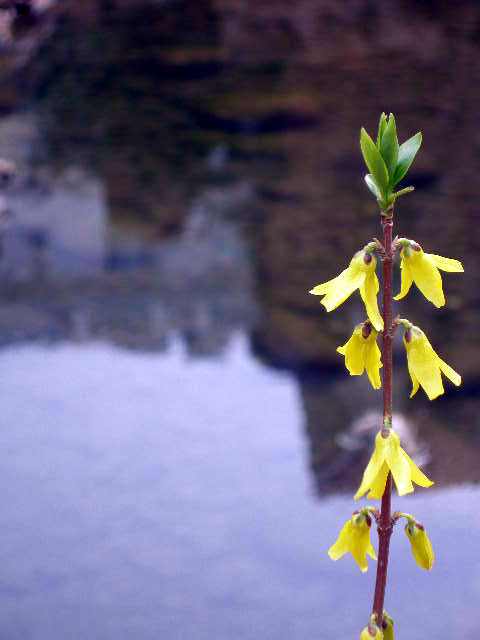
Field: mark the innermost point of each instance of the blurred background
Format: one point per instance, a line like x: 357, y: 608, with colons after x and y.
x: 181, y: 441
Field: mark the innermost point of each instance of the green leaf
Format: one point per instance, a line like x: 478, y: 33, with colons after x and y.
x: 372, y: 186
x: 374, y: 161
x: 406, y: 154
x: 381, y: 128
x: 389, y: 146
x: 403, y: 192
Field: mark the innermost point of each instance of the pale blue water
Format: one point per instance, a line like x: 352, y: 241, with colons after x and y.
x: 148, y: 495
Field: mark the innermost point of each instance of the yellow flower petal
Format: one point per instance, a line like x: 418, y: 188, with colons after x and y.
x: 413, y: 377
x: 368, y: 291
x: 427, y: 373
x: 358, y: 554
x: 451, y: 374
x: 425, y: 366
x: 420, y: 544
x: 446, y: 264
x: 340, y: 546
x: 399, y: 467
x: 373, y: 468
x: 423, y: 363
x: 406, y: 280
x: 378, y: 485
x: 341, y: 288
x: 322, y: 289
x: 371, y: 551
x: 373, y: 364
x: 353, y: 350
x: 417, y: 476
x: 427, y: 278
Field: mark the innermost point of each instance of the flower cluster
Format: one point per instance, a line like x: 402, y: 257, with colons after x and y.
x: 388, y: 162
x: 354, y: 536
x: 361, y: 351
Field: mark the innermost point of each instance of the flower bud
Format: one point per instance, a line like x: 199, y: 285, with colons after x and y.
x: 371, y: 632
x: 421, y: 548
x: 387, y: 626
x: 366, y: 329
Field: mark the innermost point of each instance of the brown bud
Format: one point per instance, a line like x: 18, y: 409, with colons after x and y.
x: 366, y: 330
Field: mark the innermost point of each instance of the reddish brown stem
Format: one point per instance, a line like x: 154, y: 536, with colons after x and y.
x: 384, y: 524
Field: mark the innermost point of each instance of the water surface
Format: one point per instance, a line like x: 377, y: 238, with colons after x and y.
x: 181, y: 441
x: 191, y: 514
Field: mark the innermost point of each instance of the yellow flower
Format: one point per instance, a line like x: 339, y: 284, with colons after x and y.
x: 421, y: 548
x: 361, y: 352
x: 360, y: 274
x: 423, y: 269
x: 387, y: 456
x: 425, y: 366
x: 371, y: 632
x: 387, y: 626
x: 355, y: 537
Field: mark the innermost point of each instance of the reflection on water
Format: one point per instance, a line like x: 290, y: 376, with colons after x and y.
x: 195, y: 108
x: 42, y: 241
x: 69, y: 272
x: 202, y: 204
x: 184, y: 511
